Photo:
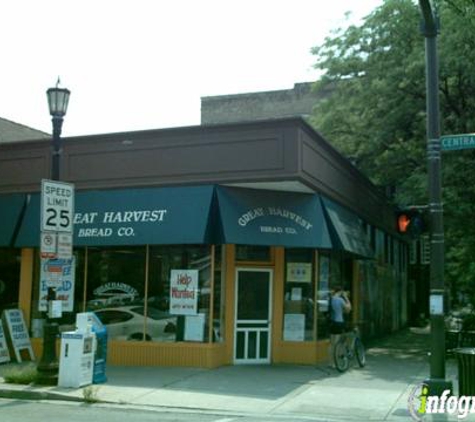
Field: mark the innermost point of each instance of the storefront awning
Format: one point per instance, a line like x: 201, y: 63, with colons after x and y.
x: 132, y: 217
x: 261, y: 217
x: 11, y: 209
x: 346, y: 230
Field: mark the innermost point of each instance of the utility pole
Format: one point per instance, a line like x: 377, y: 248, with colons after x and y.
x: 430, y: 29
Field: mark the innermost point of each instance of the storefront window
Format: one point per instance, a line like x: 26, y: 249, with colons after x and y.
x: 183, y: 308
x: 299, y: 304
x: 166, y: 300
x: 116, y: 291
x: 9, y: 278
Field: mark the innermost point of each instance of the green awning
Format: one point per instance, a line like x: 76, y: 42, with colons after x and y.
x: 262, y: 217
x: 346, y: 230
x: 11, y: 209
x: 132, y: 217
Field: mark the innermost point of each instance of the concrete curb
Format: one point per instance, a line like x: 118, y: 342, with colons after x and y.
x: 37, y: 395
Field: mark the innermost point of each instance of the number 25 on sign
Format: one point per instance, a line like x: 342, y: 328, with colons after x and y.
x: 57, y: 206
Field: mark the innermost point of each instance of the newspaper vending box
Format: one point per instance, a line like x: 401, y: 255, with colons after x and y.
x: 76, y: 362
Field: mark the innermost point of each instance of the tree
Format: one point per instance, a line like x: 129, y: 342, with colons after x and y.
x: 376, y: 115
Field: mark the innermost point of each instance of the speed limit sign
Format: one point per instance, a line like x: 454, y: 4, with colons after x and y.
x: 57, y: 206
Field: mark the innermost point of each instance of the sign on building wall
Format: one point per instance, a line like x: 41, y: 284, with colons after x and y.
x: 59, y: 274
x: 184, y: 292
x: 17, y: 333
x: 299, y: 272
x: 4, y: 353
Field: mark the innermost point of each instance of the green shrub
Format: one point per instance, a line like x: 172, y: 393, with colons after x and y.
x: 90, y: 394
x: 20, y: 374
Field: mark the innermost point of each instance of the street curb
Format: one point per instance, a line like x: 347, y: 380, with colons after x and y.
x: 37, y: 395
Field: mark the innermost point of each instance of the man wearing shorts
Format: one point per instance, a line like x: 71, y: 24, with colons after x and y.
x: 339, y: 306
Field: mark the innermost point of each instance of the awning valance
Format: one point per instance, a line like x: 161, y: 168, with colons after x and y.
x: 132, y: 217
x: 346, y: 230
x: 11, y: 209
x: 261, y: 217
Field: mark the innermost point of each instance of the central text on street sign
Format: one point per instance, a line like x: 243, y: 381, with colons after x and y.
x: 455, y: 142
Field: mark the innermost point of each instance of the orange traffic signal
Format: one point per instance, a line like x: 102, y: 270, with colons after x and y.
x: 411, y: 221
x: 403, y: 223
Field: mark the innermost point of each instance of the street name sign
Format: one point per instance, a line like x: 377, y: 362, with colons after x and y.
x: 57, y: 206
x: 456, y: 142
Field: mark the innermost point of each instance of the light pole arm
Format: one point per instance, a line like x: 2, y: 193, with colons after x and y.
x: 430, y: 24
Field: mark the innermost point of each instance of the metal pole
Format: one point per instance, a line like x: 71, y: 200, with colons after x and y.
x: 55, y: 165
x: 430, y: 29
x: 48, y: 366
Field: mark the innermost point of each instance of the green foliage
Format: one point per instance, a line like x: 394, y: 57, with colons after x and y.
x: 376, y: 115
x: 20, y: 374
x: 90, y: 394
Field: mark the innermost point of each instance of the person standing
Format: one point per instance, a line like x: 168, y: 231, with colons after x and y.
x: 339, y: 306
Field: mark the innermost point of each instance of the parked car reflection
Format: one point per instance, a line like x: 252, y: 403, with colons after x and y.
x: 128, y: 322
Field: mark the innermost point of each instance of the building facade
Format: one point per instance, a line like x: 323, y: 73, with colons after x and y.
x: 205, y: 246
x: 284, y: 103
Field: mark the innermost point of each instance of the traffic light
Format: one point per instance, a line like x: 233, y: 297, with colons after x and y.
x: 411, y: 222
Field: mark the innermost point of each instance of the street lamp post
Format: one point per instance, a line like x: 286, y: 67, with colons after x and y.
x: 58, y: 99
x: 430, y: 29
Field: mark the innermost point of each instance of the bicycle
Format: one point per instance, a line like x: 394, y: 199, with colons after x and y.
x: 349, y: 346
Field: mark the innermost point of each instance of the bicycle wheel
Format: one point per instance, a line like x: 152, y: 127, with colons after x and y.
x: 340, y: 356
x: 360, y: 353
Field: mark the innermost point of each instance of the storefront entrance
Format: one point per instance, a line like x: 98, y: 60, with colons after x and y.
x: 252, y: 333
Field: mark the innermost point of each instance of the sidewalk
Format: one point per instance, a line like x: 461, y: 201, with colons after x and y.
x: 378, y: 392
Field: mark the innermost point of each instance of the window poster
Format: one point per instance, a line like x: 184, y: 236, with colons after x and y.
x: 299, y: 272
x: 184, y: 292
x: 195, y: 327
x: 294, y: 327
x: 296, y: 293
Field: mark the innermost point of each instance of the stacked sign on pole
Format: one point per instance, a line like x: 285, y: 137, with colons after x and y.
x: 56, y: 247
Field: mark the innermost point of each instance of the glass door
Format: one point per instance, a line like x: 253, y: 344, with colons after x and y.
x: 252, y: 336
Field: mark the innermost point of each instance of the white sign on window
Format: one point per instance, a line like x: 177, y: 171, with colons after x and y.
x: 184, y: 292
x: 195, y: 327
x: 294, y: 327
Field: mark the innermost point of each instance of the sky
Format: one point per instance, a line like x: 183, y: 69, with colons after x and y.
x: 145, y: 64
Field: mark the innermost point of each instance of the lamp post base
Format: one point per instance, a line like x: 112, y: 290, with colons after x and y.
x: 48, y: 366
x: 437, y: 386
